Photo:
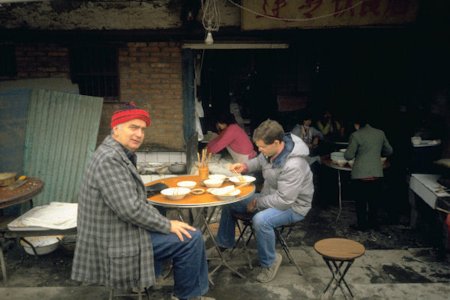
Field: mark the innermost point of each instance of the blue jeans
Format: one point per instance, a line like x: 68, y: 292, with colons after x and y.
x: 264, y: 222
x: 188, y: 258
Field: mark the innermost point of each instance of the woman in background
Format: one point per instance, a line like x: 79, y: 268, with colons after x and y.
x: 233, y: 138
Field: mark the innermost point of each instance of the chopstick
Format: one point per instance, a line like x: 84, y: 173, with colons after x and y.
x: 239, y: 176
x: 203, y: 158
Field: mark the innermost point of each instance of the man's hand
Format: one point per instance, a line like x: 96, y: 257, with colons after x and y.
x: 251, y: 206
x: 237, y: 168
x: 180, y: 229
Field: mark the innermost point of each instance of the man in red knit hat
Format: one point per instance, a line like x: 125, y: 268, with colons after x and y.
x: 122, y: 239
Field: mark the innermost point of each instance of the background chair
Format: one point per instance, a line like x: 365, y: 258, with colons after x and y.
x: 244, y: 222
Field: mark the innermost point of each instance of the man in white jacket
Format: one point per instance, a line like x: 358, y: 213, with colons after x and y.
x: 284, y: 199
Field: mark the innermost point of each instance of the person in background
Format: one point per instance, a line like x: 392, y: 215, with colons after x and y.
x: 330, y: 128
x: 310, y: 135
x: 366, y: 146
x: 233, y: 138
x: 284, y: 199
x: 122, y: 239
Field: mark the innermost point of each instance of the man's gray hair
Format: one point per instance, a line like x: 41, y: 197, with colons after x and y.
x: 269, y: 131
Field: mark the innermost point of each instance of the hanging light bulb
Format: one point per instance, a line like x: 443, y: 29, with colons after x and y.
x: 209, y: 39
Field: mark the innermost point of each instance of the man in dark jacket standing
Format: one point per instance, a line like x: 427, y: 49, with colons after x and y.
x: 122, y: 238
x: 366, y: 146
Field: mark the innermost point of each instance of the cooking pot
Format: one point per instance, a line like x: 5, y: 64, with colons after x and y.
x: 177, y: 168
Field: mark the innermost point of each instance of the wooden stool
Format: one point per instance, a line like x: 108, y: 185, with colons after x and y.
x: 339, y: 254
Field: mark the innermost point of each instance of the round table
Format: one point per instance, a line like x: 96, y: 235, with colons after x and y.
x: 202, y: 201
x: 21, y: 194
x: 11, y: 196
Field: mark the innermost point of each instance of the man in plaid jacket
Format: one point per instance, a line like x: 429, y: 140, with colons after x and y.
x: 122, y: 239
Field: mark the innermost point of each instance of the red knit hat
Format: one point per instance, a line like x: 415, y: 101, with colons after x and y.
x: 130, y: 112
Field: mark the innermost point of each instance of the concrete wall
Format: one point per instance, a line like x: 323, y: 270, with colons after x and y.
x: 67, y: 15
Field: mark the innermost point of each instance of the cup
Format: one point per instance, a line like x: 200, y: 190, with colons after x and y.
x: 203, y: 173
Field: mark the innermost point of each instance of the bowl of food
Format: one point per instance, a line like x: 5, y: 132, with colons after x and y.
x: 213, y: 183
x: 242, y: 179
x: 341, y: 162
x: 337, y: 156
x: 7, y: 179
x: 226, y: 193
x: 351, y: 162
x: 175, y: 193
x: 42, y: 244
x: 217, y: 176
x: 187, y: 184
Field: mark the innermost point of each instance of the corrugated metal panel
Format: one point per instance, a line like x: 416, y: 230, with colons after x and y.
x: 60, y: 138
x: 13, y: 120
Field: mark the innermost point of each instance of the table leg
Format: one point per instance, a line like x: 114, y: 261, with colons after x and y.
x: 339, y: 194
x: 223, y: 261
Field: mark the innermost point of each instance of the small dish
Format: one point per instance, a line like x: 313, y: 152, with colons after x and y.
x: 187, y: 184
x: 226, y: 193
x: 243, y: 179
x: 198, y: 191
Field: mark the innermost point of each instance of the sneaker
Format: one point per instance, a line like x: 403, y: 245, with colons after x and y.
x: 268, y: 274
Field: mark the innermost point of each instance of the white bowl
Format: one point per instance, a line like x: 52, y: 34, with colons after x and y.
x: 335, y: 156
x: 187, y: 184
x: 244, y: 179
x: 176, y: 193
x: 340, y: 162
x: 213, y: 183
x: 217, y: 176
x: 226, y: 193
x: 42, y: 244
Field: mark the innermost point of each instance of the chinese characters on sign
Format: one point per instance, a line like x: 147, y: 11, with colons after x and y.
x: 278, y: 14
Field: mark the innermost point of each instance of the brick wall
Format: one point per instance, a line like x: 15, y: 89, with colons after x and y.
x: 150, y: 75
x: 42, y: 61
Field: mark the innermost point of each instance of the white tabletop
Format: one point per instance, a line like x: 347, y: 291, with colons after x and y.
x: 427, y: 188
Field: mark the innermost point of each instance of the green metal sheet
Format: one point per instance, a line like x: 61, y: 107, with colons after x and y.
x: 60, y: 138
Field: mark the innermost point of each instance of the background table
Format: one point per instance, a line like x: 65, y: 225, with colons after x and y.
x: 22, y: 194
x: 326, y: 160
x: 202, y: 202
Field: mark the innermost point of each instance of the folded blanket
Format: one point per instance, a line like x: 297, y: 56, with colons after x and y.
x: 56, y: 215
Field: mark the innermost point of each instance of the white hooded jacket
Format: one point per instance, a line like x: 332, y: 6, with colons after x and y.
x: 288, y: 180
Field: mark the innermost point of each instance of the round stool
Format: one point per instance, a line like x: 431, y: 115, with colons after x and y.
x: 339, y: 254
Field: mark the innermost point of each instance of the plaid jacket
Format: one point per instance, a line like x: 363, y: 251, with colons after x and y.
x: 113, y: 245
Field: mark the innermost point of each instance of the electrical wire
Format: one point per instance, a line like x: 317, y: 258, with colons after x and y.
x: 297, y: 19
x: 211, y: 15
